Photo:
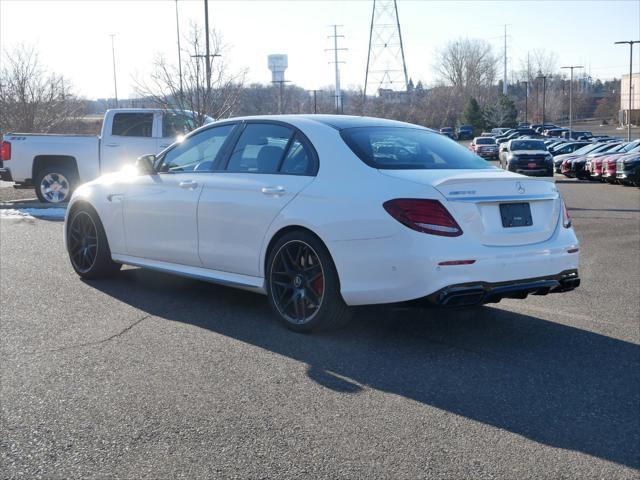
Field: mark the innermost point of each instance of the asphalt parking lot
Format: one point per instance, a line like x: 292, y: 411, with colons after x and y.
x: 152, y: 376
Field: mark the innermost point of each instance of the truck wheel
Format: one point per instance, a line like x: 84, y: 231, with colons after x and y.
x: 55, y: 184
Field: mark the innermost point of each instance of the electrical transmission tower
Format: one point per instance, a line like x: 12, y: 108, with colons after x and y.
x: 386, y: 68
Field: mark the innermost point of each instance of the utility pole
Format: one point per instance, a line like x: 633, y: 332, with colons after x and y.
x: 338, y: 96
x: 630, y: 43
x: 504, y: 77
x: 208, y: 56
x: 179, y: 54
x: 544, y: 95
x: 315, y: 102
x: 113, y: 56
x: 281, y: 96
x: 571, y: 68
x: 526, y: 100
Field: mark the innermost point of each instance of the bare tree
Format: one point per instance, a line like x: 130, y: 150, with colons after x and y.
x: 467, y: 65
x: 33, y: 99
x: 163, y: 87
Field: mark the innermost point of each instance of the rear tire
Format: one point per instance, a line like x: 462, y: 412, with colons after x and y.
x: 303, y: 285
x: 55, y: 184
x: 87, y: 245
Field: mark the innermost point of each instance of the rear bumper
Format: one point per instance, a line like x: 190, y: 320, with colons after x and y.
x: 470, y: 294
x: 534, y: 172
x: 5, y: 175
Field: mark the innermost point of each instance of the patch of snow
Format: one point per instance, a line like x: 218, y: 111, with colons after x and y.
x: 31, y: 213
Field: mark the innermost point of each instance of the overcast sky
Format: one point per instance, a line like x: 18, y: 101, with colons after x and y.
x: 73, y: 36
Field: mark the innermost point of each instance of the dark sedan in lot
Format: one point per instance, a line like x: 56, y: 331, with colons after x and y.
x: 448, y: 131
x: 465, y: 132
x: 628, y: 169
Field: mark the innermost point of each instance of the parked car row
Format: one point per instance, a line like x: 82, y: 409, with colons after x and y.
x: 544, y: 153
x: 610, y: 161
x: 463, y: 132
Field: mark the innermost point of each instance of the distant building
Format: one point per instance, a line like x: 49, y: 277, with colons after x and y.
x: 635, y: 99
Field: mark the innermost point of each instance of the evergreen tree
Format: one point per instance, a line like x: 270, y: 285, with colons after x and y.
x: 473, y: 116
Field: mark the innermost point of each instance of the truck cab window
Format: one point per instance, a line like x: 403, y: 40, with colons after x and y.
x: 175, y: 124
x: 132, y: 124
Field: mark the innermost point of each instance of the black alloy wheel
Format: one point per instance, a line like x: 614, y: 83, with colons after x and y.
x: 83, y: 242
x: 303, y: 285
x: 87, y: 244
x: 297, y: 282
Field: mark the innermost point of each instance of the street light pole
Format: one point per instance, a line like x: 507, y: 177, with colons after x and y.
x: 526, y: 100
x: 630, y: 43
x: 113, y: 56
x: 544, y: 95
x: 208, y: 56
x: 179, y: 53
x: 571, y: 67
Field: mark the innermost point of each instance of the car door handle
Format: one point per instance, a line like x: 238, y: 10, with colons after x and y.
x: 111, y: 144
x: 273, y: 190
x: 188, y: 184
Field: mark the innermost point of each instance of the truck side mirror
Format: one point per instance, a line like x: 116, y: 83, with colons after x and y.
x: 144, y: 164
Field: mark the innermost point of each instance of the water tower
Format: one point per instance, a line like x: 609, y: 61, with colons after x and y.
x: 278, y: 63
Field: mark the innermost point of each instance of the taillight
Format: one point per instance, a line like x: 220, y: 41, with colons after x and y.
x: 5, y: 151
x: 426, y: 216
x: 566, y: 218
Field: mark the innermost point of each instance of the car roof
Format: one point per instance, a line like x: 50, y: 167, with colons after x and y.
x: 339, y: 122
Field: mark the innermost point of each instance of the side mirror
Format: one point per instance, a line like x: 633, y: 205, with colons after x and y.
x: 144, y: 164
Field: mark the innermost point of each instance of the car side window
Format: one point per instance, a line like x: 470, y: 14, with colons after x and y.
x: 132, y: 124
x: 197, y: 153
x: 260, y: 148
x: 299, y: 160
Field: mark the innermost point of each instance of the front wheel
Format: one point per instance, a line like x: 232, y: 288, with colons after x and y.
x: 303, y: 285
x: 87, y: 245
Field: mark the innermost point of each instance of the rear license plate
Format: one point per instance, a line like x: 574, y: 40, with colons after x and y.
x: 516, y: 215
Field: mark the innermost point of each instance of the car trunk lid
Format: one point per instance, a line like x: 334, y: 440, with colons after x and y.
x: 474, y: 198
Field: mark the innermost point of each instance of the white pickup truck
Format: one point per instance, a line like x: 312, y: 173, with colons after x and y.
x: 56, y: 164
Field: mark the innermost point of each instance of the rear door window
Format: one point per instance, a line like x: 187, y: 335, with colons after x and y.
x: 405, y: 148
x: 132, y: 124
x: 260, y: 148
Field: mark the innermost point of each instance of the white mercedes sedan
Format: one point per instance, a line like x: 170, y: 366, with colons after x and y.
x: 323, y: 212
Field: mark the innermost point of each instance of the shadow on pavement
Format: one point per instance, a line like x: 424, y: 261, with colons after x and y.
x: 557, y: 385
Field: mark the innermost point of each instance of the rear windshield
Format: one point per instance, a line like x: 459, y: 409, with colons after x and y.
x: 405, y: 148
x: 528, y: 145
x: 485, y: 141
